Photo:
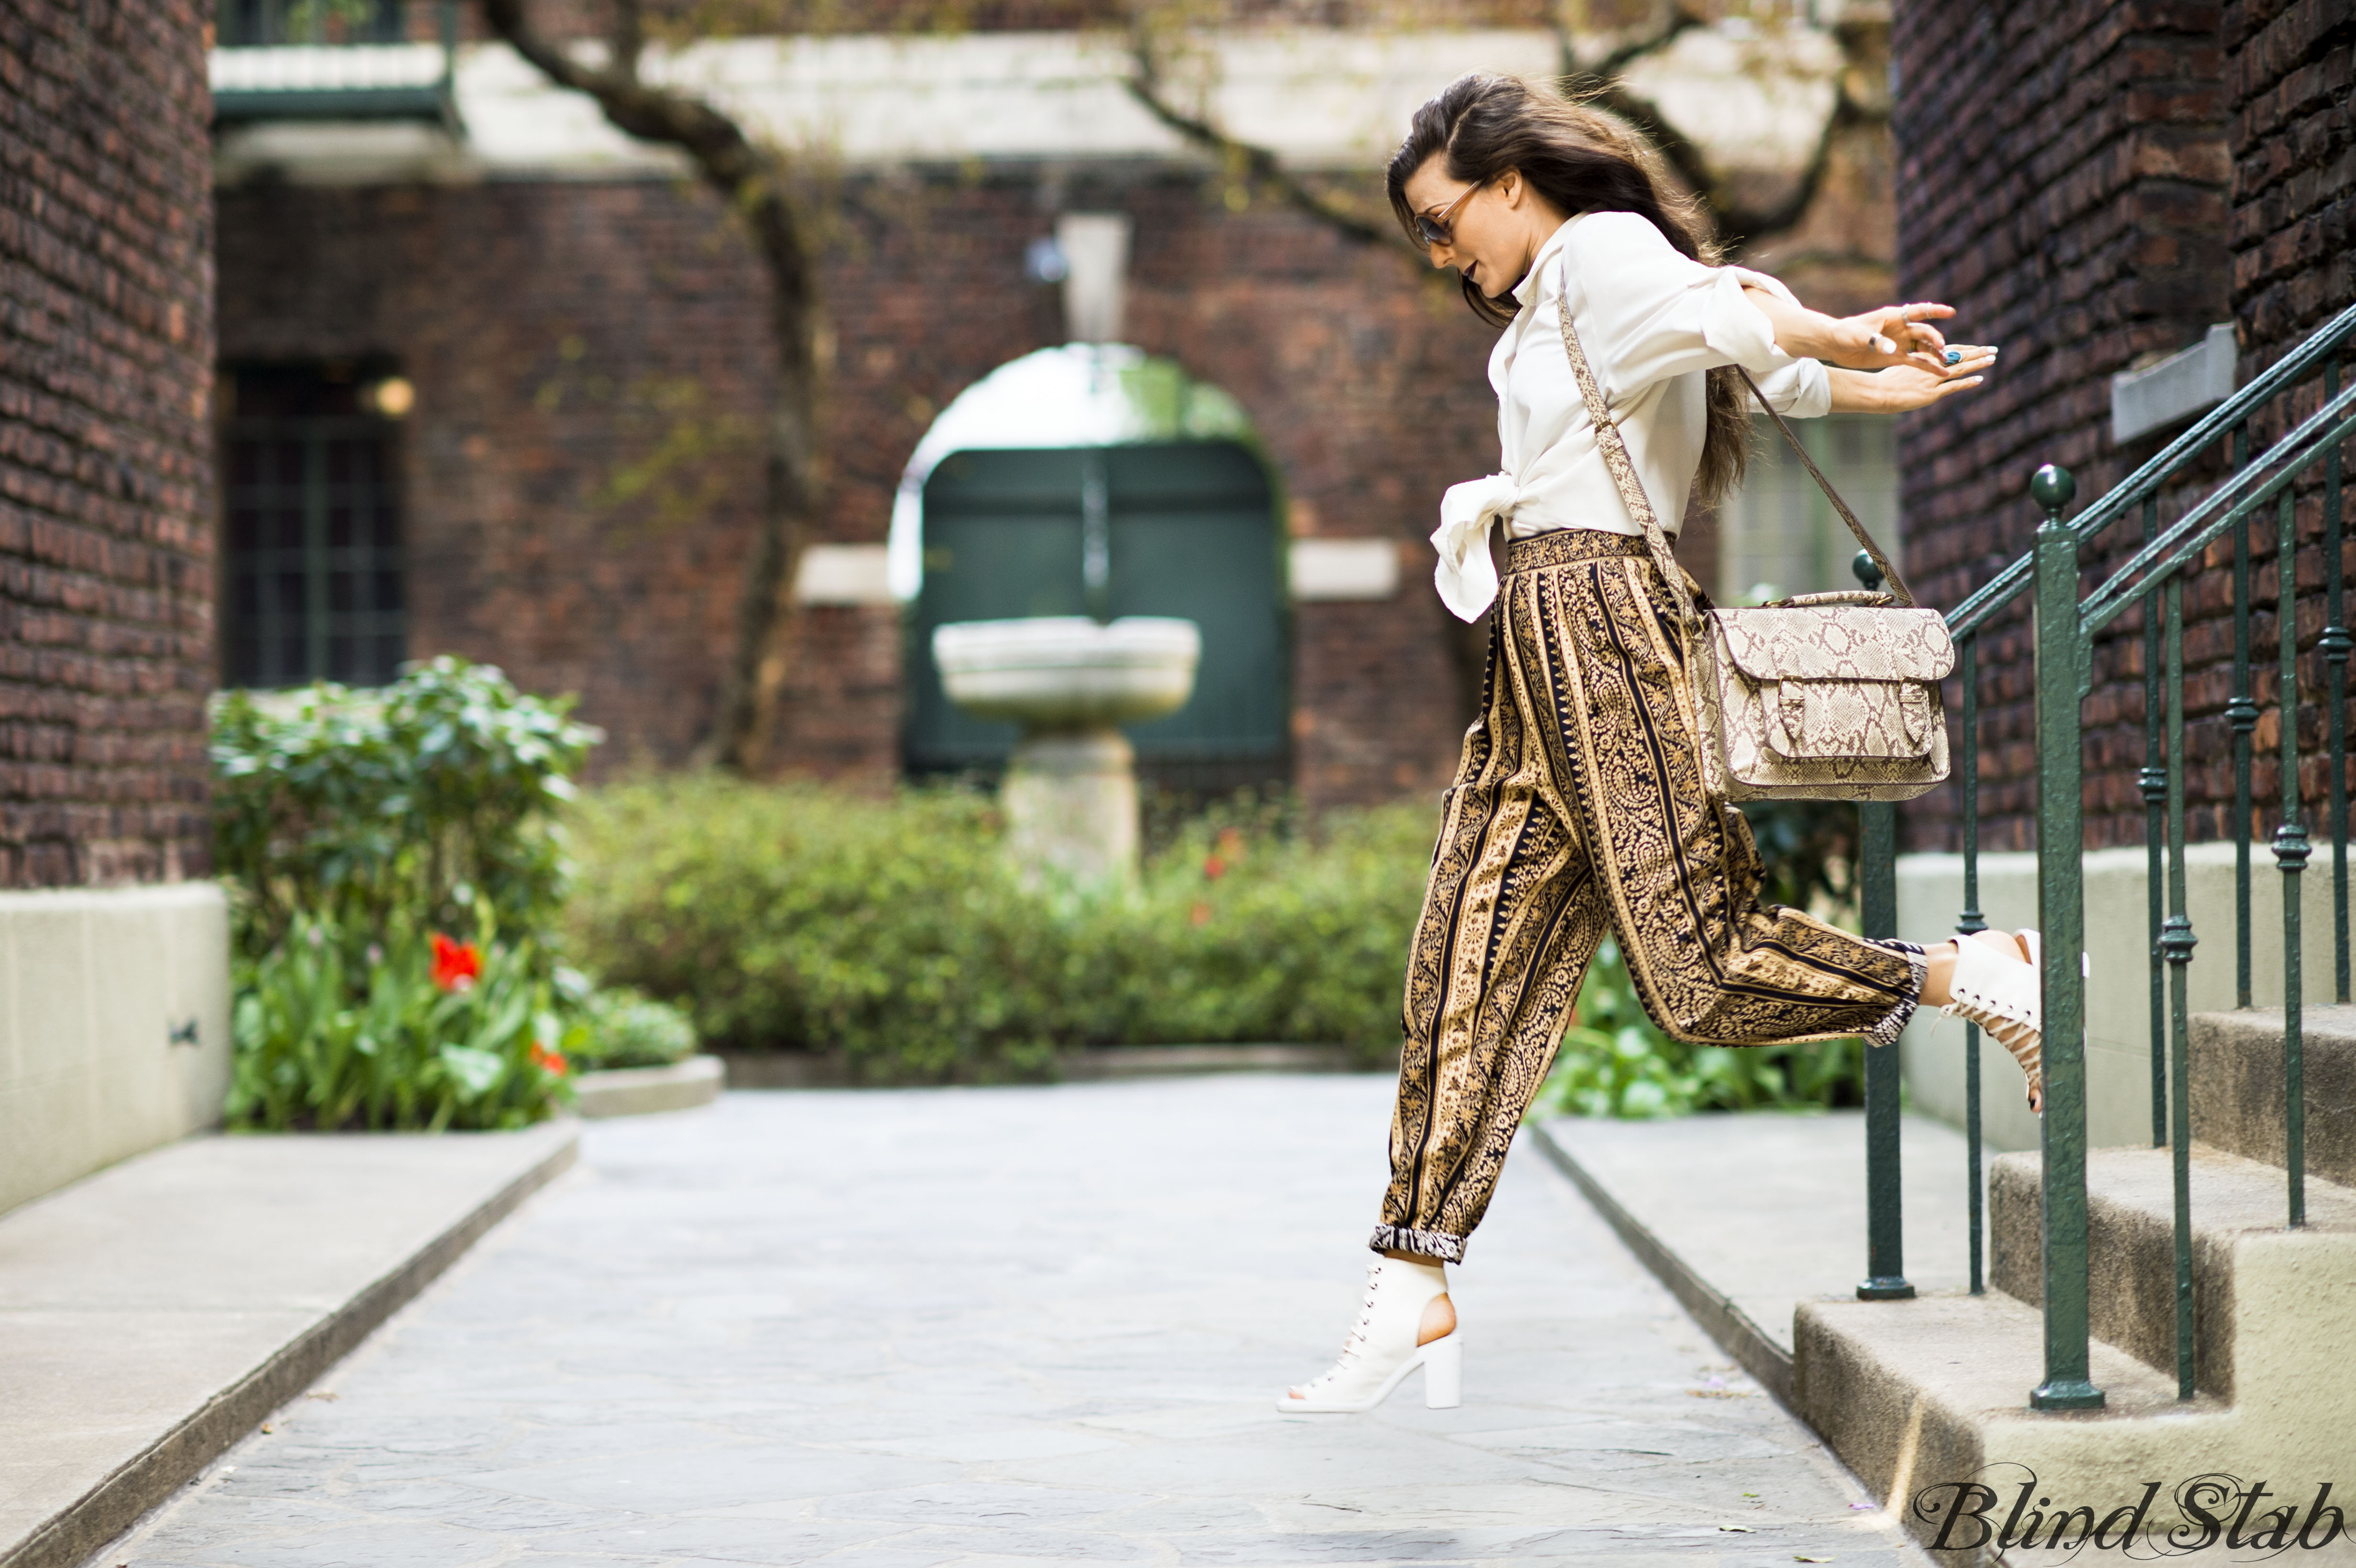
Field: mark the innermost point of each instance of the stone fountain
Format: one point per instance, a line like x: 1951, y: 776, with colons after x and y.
x: 1071, y: 783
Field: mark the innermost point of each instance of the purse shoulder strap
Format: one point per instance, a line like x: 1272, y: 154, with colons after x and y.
x: 1615, y: 459
x: 1897, y: 589
x: 1631, y: 491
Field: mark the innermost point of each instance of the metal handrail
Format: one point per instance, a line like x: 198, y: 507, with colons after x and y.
x: 2066, y: 623
x: 2219, y: 423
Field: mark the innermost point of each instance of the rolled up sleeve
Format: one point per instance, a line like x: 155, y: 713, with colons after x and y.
x: 1659, y: 313
x: 1801, y: 391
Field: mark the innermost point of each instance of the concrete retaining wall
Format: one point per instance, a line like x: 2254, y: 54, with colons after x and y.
x: 2118, y: 1038
x: 113, y: 1026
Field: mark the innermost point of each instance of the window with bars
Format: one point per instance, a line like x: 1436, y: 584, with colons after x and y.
x: 312, y: 539
x: 249, y: 24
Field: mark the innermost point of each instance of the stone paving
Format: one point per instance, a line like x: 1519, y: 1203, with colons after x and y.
x: 999, y: 1326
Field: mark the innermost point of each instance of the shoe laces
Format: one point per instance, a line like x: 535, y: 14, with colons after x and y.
x: 1354, y: 1344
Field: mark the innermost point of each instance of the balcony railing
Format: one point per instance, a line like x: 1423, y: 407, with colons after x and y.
x: 283, y: 62
x: 2301, y: 402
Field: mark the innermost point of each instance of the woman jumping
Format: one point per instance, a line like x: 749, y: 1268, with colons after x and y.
x: 1579, y: 808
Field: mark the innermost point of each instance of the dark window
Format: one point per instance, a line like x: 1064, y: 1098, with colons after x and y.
x: 254, y: 22
x: 311, y: 555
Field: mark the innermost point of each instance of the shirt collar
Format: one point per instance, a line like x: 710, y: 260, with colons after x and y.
x: 1527, y: 289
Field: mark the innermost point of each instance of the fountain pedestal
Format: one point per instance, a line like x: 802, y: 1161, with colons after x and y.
x: 1070, y: 793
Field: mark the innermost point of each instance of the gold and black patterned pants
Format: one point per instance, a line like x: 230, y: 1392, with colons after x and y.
x: 1580, y: 809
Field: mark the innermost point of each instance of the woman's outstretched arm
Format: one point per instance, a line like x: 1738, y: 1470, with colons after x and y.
x: 1889, y: 335
x: 1908, y: 386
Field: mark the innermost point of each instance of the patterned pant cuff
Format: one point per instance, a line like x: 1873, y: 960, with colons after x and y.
x: 1438, y: 1245
x: 1886, y: 1032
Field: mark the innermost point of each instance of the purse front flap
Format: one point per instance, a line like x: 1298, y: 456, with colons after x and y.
x: 1836, y: 643
x: 1821, y: 720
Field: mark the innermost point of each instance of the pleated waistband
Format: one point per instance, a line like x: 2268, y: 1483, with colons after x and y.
x: 1565, y: 547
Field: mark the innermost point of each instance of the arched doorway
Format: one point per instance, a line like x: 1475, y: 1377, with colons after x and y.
x: 1095, y: 480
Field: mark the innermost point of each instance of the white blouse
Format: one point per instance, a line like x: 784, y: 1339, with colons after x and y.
x: 1651, y: 321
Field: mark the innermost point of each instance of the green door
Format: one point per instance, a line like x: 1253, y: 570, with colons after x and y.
x: 1188, y: 529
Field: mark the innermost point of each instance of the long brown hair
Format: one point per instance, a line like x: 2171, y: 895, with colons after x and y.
x: 1581, y: 160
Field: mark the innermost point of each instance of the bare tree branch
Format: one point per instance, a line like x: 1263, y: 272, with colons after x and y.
x: 1602, y: 83
x: 754, y: 184
x: 1260, y: 165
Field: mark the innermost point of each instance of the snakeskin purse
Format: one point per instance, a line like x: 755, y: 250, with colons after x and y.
x: 1822, y: 696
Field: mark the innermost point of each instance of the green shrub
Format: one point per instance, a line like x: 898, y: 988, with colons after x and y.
x: 412, y: 1033
x: 1615, y: 1063
x: 891, y: 932
x: 624, y: 1028
x: 355, y: 827
x: 413, y: 805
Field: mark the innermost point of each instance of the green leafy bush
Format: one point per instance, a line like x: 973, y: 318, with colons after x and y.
x: 414, y: 804
x: 353, y: 829
x: 412, y: 1033
x: 1615, y: 1063
x: 621, y: 1027
x: 891, y: 932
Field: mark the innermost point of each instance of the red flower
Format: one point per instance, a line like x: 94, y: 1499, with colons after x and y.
x: 456, y: 964
x: 550, y: 1060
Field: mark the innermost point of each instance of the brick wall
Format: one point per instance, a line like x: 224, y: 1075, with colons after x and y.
x: 105, y: 474
x: 2292, y: 132
x: 561, y: 336
x: 2062, y: 181
x: 2294, y: 149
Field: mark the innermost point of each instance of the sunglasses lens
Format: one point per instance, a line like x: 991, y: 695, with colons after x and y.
x: 1433, y: 234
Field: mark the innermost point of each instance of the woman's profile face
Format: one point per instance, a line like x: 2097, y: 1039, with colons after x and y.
x: 1489, y: 234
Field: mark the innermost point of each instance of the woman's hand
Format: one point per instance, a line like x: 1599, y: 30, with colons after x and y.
x: 1892, y: 334
x: 1909, y: 384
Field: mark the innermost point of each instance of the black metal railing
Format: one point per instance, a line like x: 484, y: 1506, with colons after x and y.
x: 333, y: 60
x: 2303, y: 456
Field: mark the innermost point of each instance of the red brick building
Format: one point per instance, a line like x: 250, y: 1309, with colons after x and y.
x: 106, y: 505
x: 575, y: 483
x: 114, y: 948
x: 2095, y: 185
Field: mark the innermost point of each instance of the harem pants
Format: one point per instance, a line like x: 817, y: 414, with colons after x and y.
x: 1577, y: 809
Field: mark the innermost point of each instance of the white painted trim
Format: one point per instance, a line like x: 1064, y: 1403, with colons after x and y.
x: 2182, y: 384
x: 844, y: 574
x: 1334, y: 570
x: 1321, y: 98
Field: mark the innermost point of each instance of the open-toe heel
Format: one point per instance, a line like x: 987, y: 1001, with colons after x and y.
x: 2006, y: 1000
x: 1382, y: 1350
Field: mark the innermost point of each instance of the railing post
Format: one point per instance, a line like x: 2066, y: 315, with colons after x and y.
x: 2242, y: 718
x: 1877, y: 897
x: 2154, y: 782
x: 1885, y: 1246
x: 2336, y: 643
x: 2062, y: 675
x: 2291, y: 850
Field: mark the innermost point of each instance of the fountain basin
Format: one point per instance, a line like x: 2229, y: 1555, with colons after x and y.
x: 1060, y: 674
x: 1070, y: 792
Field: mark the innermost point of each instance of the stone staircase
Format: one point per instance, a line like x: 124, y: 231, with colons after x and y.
x: 1920, y: 1396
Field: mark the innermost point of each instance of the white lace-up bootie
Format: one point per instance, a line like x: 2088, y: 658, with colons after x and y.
x: 1381, y: 1349
x: 2006, y: 999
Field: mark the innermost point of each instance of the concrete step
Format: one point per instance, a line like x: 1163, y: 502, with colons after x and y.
x: 2250, y: 1299
x: 1923, y: 1393
x: 2236, y: 1068
x: 152, y: 1314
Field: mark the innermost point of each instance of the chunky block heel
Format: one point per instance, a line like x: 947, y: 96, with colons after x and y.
x: 1444, y: 1372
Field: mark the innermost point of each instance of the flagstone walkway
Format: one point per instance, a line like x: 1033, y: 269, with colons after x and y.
x: 1011, y: 1327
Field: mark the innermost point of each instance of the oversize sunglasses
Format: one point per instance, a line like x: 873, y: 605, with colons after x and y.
x: 1436, y: 230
